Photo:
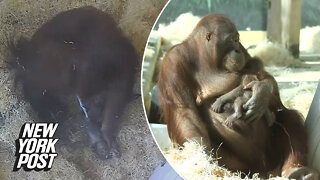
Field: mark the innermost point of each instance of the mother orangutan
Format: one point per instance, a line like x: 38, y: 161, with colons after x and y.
x: 211, y: 62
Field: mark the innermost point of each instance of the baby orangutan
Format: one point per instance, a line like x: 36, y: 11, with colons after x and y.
x: 239, y: 96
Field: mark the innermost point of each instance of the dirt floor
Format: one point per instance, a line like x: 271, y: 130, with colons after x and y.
x: 140, y: 154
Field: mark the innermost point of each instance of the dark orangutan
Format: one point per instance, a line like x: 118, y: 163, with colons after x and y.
x: 82, y: 55
x: 209, y: 64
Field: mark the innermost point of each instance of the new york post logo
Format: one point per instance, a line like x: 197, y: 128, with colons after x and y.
x: 35, y: 148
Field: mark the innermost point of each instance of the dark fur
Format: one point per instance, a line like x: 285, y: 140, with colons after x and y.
x: 204, y: 67
x: 80, y: 52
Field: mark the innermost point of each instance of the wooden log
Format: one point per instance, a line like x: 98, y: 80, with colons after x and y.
x: 291, y: 25
x: 274, y: 21
x: 284, y: 23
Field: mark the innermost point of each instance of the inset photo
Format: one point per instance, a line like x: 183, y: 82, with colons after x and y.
x: 229, y: 88
x: 70, y: 100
